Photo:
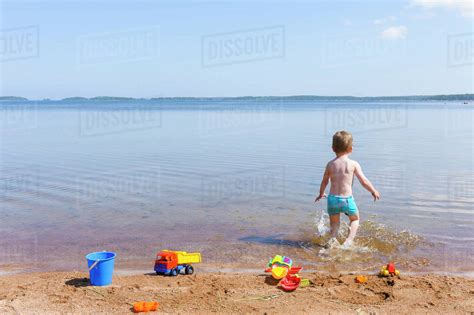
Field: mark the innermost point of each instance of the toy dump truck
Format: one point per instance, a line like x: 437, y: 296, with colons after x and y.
x: 171, y: 263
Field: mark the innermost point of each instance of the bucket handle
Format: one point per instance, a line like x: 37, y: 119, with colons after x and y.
x: 94, y: 264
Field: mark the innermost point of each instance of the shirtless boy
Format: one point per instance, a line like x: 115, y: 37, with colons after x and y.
x: 340, y: 171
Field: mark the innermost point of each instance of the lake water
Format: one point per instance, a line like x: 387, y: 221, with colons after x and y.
x: 234, y: 179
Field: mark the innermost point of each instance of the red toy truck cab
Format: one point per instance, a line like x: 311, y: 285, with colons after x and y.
x: 166, y: 260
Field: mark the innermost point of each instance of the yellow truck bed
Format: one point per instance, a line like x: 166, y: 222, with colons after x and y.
x: 187, y: 258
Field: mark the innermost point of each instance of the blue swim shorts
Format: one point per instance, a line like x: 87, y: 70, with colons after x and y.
x: 344, y: 204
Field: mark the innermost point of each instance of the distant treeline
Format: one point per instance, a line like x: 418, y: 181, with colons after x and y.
x: 452, y: 97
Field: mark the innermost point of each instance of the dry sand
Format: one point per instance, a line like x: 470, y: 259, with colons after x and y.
x: 69, y: 292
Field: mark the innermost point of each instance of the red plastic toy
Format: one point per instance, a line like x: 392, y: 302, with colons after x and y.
x: 291, y: 282
x: 295, y: 270
x: 391, y: 268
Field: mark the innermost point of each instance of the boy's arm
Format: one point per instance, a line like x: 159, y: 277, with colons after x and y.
x: 365, y: 182
x: 324, y: 184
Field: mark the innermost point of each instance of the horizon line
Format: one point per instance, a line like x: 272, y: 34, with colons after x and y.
x: 245, y: 96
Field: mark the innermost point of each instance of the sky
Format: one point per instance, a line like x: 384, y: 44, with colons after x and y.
x: 57, y: 49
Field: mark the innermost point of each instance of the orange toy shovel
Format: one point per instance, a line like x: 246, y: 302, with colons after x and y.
x: 139, y: 307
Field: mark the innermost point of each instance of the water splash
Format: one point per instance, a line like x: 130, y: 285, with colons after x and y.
x: 323, y: 227
x: 374, y: 242
x: 322, y: 223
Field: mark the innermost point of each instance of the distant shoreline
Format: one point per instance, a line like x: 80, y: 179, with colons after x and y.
x: 450, y: 97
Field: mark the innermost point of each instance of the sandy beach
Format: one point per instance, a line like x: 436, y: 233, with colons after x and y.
x: 70, y: 292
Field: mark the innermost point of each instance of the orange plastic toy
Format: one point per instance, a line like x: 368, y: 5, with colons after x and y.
x: 139, y: 307
x: 361, y: 279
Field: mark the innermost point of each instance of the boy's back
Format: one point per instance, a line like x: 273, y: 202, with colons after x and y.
x: 341, y: 173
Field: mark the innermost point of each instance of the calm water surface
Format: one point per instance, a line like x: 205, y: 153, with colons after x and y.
x: 235, y: 179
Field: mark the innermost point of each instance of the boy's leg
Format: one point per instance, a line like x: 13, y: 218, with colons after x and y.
x: 334, y: 221
x: 353, y: 227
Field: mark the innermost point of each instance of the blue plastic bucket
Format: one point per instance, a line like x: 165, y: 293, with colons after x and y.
x: 101, y: 267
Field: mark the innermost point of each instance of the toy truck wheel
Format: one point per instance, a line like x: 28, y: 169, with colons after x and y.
x: 189, y: 270
x: 173, y: 272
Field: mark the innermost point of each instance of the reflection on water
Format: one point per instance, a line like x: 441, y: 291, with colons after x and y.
x: 235, y: 179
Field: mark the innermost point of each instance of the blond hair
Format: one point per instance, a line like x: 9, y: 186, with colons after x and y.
x: 341, y: 141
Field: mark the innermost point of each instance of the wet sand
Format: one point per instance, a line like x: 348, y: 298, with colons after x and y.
x: 69, y: 292
x: 243, y: 249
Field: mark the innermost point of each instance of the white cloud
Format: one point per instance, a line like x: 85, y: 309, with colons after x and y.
x: 464, y: 7
x: 395, y: 32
